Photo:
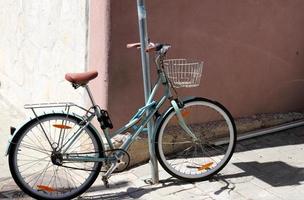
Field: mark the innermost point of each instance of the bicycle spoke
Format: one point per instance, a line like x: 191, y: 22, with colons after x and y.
x: 209, y: 156
x: 73, y: 150
x: 37, y: 160
x: 34, y: 148
x: 35, y: 143
x: 30, y: 167
x: 42, y: 173
x: 39, y: 175
x: 38, y: 140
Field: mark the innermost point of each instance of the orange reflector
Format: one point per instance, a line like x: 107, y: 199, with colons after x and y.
x: 45, y: 188
x: 61, y: 126
x: 205, y: 166
x: 185, y: 113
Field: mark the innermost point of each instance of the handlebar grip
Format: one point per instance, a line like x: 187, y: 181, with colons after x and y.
x: 134, y: 45
x: 151, y: 46
x: 137, y: 45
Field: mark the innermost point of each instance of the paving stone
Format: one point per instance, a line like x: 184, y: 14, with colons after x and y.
x: 222, y: 195
x: 193, y: 193
x: 164, y: 175
x: 142, y: 171
x: 247, y: 156
x: 207, y: 186
x: 234, y: 195
x: 254, y: 192
x: 167, y: 190
x: 287, y: 192
x: 149, y: 196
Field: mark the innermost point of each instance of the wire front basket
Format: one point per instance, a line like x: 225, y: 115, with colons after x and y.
x: 183, y: 73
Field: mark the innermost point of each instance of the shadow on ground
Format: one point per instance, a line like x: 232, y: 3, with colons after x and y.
x: 276, y: 173
x: 131, y: 192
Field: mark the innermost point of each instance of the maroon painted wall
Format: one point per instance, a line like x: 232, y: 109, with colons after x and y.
x: 253, y: 52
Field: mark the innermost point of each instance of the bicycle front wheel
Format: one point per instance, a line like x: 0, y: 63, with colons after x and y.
x: 196, y: 158
x: 37, y: 160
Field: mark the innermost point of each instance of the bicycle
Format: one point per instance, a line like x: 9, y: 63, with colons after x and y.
x: 59, y: 155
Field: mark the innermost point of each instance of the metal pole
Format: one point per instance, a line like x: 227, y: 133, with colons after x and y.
x: 143, y: 33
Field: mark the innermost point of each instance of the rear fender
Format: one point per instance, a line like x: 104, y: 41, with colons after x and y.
x: 13, y: 135
x: 25, y: 125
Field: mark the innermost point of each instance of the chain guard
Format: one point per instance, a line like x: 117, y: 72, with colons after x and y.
x: 124, y: 161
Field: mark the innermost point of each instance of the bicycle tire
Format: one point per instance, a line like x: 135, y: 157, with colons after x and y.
x: 175, y: 148
x: 20, y: 144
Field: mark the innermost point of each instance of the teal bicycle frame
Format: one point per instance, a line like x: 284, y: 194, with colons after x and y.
x: 151, y: 108
x: 144, y: 114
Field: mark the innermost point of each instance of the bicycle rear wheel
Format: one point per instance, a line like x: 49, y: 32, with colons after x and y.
x: 194, y: 160
x: 40, y: 171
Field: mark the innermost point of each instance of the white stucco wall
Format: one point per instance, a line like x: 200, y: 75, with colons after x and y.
x: 40, y: 40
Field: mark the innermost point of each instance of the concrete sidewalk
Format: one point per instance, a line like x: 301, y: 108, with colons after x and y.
x: 268, y: 167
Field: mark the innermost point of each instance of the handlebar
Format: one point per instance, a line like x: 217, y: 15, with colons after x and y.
x: 161, y: 50
x: 158, y: 47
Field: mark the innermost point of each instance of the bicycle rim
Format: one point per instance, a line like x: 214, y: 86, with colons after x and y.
x: 31, y: 160
x: 182, y: 156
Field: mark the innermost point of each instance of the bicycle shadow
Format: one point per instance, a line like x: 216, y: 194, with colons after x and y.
x: 131, y: 191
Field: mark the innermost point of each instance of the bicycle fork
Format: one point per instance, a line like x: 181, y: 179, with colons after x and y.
x: 181, y: 120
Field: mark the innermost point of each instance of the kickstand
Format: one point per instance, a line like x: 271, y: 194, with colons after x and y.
x: 105, y: 181
x: 148, y: 181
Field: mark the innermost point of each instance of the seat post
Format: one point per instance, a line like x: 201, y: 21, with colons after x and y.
x: 90, y: 94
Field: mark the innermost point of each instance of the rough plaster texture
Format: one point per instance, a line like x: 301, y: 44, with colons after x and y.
x: 40, y: 41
